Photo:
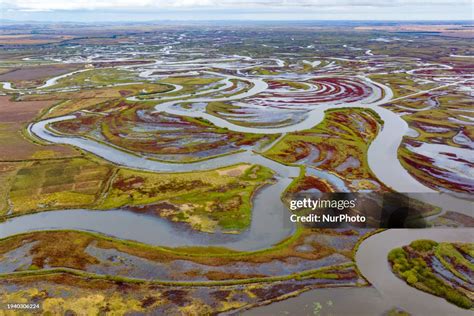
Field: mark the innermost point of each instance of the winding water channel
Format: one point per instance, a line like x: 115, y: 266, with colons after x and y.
x: 371, y: 259
x: 270, y: 222
x: 270, y: 219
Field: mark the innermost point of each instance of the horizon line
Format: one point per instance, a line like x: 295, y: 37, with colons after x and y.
x: 237, y: 20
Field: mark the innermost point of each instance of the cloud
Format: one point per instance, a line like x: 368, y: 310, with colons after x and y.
x: 69, y: 5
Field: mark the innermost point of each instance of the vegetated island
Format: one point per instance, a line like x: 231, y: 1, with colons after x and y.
x: 443, y: 269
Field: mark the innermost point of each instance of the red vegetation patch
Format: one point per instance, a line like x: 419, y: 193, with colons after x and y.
x: 313, y: 183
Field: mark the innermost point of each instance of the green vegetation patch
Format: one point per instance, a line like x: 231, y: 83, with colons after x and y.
x: 402, y: 84
x: 96, y: 77
x: 206, y: 200
x: 56, y: 184
x: 426, y: 265
x: 219, y: 199
x: 341, y: 141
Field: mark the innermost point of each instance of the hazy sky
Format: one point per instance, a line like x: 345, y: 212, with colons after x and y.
x: 143, y: 10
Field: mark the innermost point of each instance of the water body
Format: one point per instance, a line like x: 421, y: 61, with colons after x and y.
x: 53, y: 81
x: 333, y: 301
x: 371, y: 259
x: 269, y: 216
x: 270, y: 224
x: 382, y: 151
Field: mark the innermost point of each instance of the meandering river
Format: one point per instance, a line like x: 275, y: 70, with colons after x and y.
x: 270, y: 222
x: 269, y: 216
